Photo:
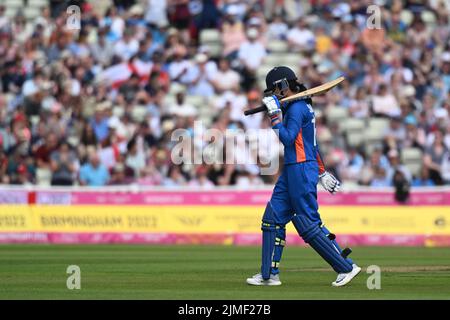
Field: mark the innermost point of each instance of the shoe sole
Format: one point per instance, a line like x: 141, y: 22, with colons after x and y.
x: 350, y: 278
x: 265, y: 283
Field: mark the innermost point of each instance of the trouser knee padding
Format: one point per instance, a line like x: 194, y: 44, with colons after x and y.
x: 280, y: 242
x: 313, y: 235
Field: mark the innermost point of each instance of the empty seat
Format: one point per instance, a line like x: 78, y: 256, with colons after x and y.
x: 373, y: 134
x: 428, y: 17
x: 414, y: 168
x: 209, y: 36
x: 43, y: 177
x: 380, y: 124
x: 38, y: 3
x: 272, y: 59
x: 355, y: 138
x: 411, y: 155
x: 412, y: 159
x: 215, y: 49
x: 139, y: 113
x: 13, y: 3
x: 406, y: 16
x: 169, y: 100
x: 370, y: 147
x: 291, y: 59
x: 196, y: 101
x: 352, y: 125
x: 175, y: 88
x: 277, y: 46
x: 336, y: 114
x: 31, y: 12
x: 262, y: 71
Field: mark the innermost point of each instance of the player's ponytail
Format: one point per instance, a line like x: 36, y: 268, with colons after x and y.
x: 297, y: 87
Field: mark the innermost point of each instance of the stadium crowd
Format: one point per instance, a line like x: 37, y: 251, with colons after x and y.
x: 97, y: 105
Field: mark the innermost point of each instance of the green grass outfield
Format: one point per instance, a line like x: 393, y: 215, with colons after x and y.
x: 213, y: 272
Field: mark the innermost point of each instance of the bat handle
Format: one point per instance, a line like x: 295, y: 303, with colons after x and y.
x: 255, y: 110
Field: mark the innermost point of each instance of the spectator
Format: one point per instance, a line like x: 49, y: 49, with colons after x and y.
x: 200, y: 76
x: 380, y: 179
x: 63, y: 165
x: 251, y: 55
x: 301, y: 38
x: 201, y: 179
x: 277, y: 29
x: 395, y: 165
x: 126, y: 47
x: 233, y: 32
x: 385, y: 103
x: 180, y: 108
x: 174, y: 177
x: 93, y: 173
x: 424, y: 179
x: 434, y: 157
x: 225, y: 78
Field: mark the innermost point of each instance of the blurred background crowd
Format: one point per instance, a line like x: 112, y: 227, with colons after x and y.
x: 97, y: 105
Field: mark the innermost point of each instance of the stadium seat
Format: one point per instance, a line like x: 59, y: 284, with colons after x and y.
x: 263, y: 70
x: 379, y: 124
x: 352, y: 124
x: 168, y: 100
x: 406, y: 16
x: 277, y: 46
x: 428, y: 17
x: 196, y: 101
x: 138, y: 113
x: 370, y: 147
x: 355, y: 138
x: 336, y: 114
x: 354, y: 129
x: 215, y: 49
x: 290, y: 59
x: 373, y: 134
x: 208, y: 36
x: 273, y: 59
x: 38, y: 3
x: 31, y: 12
x: 412, y: 159
x: 411, y: 155
x: 13, y: 4
x: 43, y: 177
x: 414, y: 168
x: 176, y: 87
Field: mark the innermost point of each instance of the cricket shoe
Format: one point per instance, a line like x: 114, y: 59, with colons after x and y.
x: 257, y: 280
x: 344, y: 278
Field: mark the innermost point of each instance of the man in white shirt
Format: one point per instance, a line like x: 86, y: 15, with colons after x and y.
x: 200, y: 76
x: 385, y: 103
x: 179, y: 67
x: 251, y: 55
x: 225, y: 78
x: 252, y: 52
x: 300, y: 38
x: 180, y: 108
x: 127, y: 46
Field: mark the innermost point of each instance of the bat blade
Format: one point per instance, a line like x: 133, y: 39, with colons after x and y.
x: 302, y: 95
x: 314, y: 91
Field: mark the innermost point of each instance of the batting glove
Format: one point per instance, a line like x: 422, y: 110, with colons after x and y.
x: 272, y: 104
x: 329, y: 182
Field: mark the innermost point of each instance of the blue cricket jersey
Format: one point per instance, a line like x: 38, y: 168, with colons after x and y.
x: 297, y: 132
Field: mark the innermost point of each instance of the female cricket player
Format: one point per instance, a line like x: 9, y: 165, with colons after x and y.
x: 294, y: 197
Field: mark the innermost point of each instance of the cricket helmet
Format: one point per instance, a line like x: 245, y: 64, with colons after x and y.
x: 279, y: 77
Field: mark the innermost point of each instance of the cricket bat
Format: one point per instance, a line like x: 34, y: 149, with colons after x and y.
x: 302, y: 95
